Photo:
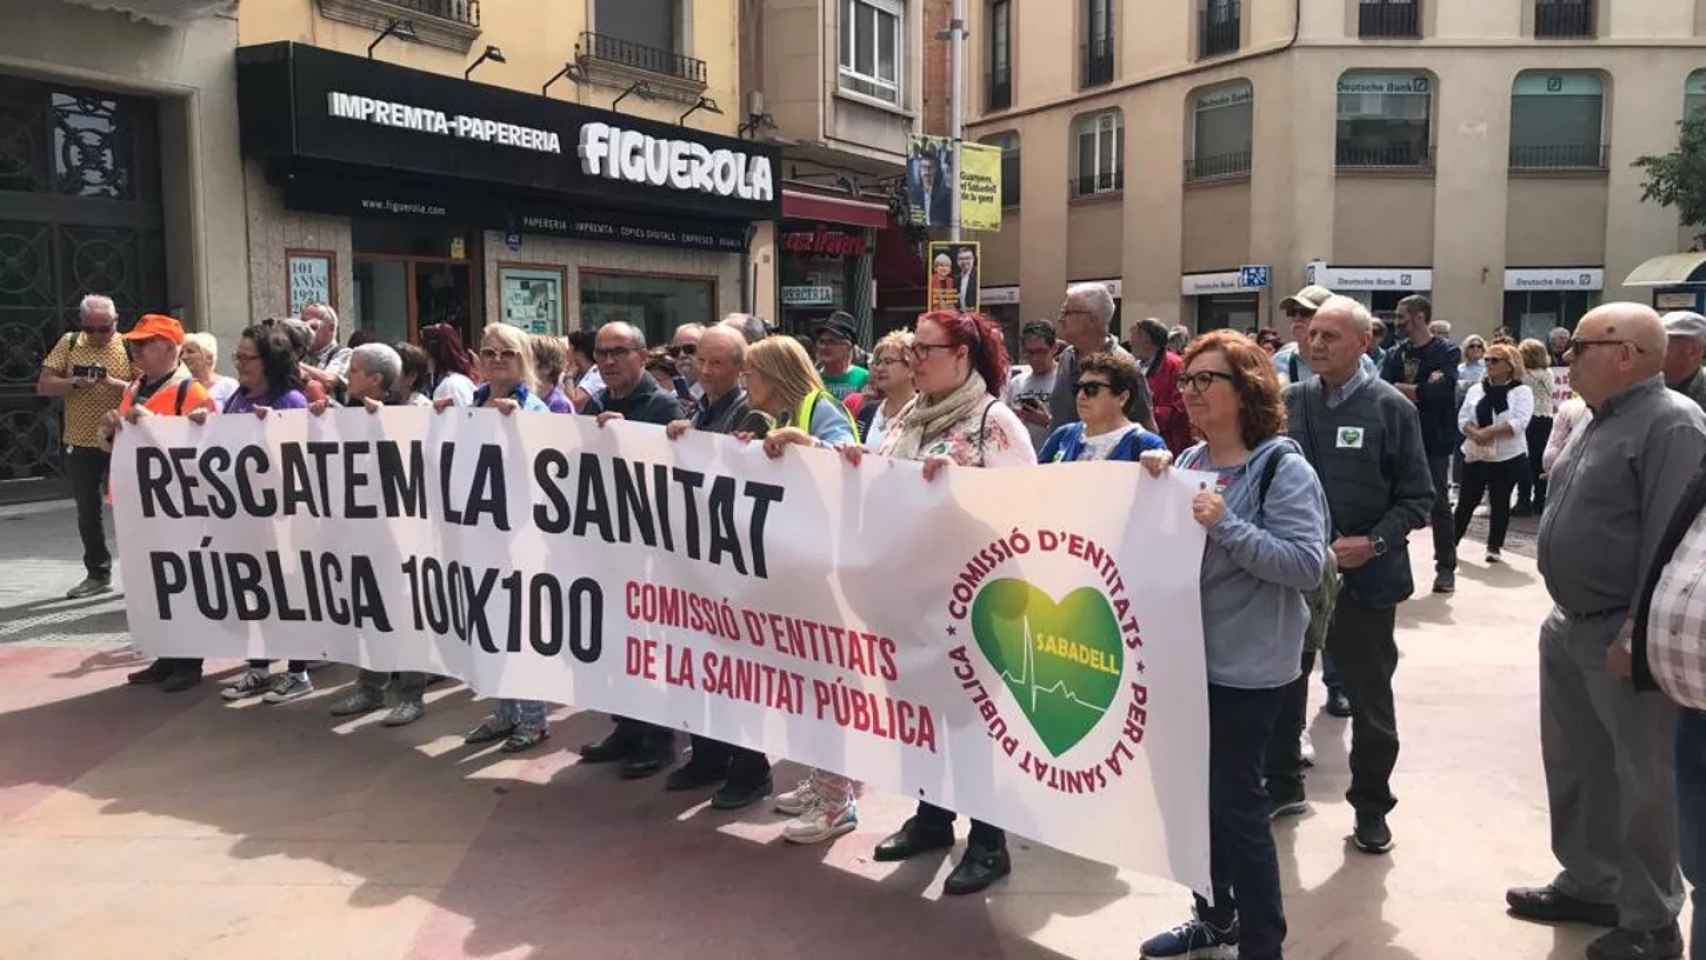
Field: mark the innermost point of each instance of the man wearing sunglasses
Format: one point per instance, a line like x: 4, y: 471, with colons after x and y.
x: 1608, y: 748
x: 89, y: 368
x: 684, y: 350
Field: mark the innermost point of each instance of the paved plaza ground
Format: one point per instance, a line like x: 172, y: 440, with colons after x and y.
x: 136, y: 824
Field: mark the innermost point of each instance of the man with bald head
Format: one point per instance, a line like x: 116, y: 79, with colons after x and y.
x: 641, y: 749
x: 1607, y: 748
x: 1365, y: 442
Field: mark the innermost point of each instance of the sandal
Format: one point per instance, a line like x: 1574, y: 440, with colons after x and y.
x: 492, y: 729
x: 524, y: 740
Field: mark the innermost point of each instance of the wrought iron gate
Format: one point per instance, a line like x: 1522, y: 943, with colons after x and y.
x: 79, y: 213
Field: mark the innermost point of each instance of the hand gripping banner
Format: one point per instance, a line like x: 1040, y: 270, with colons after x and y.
x: 1021, y: 645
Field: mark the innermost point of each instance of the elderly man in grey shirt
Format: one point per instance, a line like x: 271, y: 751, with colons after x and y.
x: 1083, y: 324
x: 1608, y: 749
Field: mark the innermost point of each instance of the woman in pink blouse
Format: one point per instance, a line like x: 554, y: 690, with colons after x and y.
x: 959, y: 364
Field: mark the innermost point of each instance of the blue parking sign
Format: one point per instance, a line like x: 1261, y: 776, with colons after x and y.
x: 1252, y: 276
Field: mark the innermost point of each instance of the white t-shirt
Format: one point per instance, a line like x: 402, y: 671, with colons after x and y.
x: 879, y: 426
x: 1035, y: 386
x: 1099, y: 446
x: 222, y: 389
x: 457, y: 387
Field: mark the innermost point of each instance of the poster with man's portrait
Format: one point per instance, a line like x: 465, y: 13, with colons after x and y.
x: 930, y: 178
x: 952, y: 280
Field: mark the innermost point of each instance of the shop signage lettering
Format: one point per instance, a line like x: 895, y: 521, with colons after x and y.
x: 630, y: 155
x: 1555, y: 278
x: 1413, y: 84
x: 808, y: 296
x: 832, y: 243
x: 427, y: 120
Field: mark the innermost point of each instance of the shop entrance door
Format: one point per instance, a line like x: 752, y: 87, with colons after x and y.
x: 79, y: 214
x: 396, y: 296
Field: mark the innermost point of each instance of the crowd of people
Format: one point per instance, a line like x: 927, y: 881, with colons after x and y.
x: 1327, y: 452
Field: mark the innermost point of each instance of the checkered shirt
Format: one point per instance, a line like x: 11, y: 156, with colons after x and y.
x: 1676, y: 623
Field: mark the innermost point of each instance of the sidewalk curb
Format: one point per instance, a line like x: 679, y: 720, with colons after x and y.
x: 35, y: 508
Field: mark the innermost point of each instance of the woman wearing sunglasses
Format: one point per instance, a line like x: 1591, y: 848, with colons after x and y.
x: 507, y: 362
x: 1266, y: 520
x: 1103, y: 432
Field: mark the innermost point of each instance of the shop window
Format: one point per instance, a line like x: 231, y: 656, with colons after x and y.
x: 655, y: 304
x: 1100, y: 153
x: 1098, y: 47
x: 1694, y: 94
x: 1385, y: 119
x: 1220, y: 28
x: 1221, y: 140
x: 1557, y: 121
x: 1532, y: 314
x: 999, y: 94
x: 1009, y: 144
x: 873, y: 54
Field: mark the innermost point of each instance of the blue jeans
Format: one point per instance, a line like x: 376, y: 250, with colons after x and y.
x: 1241, y: 843
x: 1691, y: 815
x: 1330, y: 678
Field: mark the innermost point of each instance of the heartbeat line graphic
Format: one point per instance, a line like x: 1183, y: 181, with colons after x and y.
x: 1028, y: 678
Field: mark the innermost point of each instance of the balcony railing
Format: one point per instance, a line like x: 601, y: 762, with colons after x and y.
x: 1389, y: 155
x: 1220, y: 29
x: 1000, y: 90
x: 1571, y: 18
x: 598, y: 46
x: 462, y: 11
x: 1219, y: 165
x: 1099, y: 183
x: 1567, y: 156
x: 1098, y: 62
x: 1383, y: 18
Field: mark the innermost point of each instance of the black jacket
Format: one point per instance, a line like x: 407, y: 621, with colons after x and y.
x: 1436, y: 400
x: 644, y: 404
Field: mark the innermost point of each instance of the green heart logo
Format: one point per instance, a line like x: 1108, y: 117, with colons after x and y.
x: 1062, y: 661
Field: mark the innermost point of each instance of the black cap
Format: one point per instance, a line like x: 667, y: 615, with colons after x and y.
x: 840, y: 325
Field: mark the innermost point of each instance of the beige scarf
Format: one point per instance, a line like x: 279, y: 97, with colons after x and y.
x: 922, y: 420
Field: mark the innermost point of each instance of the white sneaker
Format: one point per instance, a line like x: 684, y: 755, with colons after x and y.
x: 821, y: 823
x: 1493, y: 556
x: 1306, y: 749
x: 251, y: 683
x: 798, y: 800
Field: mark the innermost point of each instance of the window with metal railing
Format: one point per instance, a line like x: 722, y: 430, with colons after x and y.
x: 1563, y: 18
x: 1382, y: 155
x: 1221, y: 28
x: 598, y: 46
x: 1385, y: 119
x: 1389, y: 18
x: 462, y: 11
x: 1558, y: 121
x: 1560, y: 156
x: 1219, y: 165
x: 999, y: 92
x: 1099, y: 153
x: 1221, y: 137
x: 1097, y: 51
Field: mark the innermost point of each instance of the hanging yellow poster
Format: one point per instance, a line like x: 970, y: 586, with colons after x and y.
x: 980, y: 187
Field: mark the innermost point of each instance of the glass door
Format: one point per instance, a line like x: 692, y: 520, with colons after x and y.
x: 396, y: 296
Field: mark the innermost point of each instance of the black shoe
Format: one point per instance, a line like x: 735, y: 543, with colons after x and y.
x: 980, y: 867
x: 1338, y: 704
x: 733, y: 795
x: 695, y: 775
x: 622, y: 743
x: 1665, y: 943
x: 91, y: 586
x: 655, y: 753
x: 1286, y: 804
x: 180, y: 681
x: 1372, y: 835
x: 914, y: 837
x: 1523, y: 510
x: 156, y: 672
x: 1445, y: 582
x: 1548, y: 904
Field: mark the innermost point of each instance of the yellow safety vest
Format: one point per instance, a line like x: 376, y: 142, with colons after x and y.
x: 803, y: 416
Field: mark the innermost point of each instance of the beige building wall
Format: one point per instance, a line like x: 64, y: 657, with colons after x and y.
x: 1468, y: 216
x: 190, y: 72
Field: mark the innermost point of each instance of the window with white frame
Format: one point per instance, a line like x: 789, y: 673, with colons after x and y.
x: 873, y: 41
x: 1694, y: 94
x: 1100, y: 153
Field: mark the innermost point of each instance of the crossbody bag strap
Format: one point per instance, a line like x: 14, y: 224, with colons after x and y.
x: 982, y: 430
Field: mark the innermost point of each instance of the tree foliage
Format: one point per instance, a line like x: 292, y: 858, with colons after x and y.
x: 1678, y: 179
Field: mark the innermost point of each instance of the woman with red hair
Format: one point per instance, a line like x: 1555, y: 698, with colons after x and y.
x: 452, y: 364
x: 959, y: 364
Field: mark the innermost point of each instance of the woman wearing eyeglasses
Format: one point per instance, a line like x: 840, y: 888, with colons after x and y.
x: 268, y: 379
x: 959, y: 366
x: 452, y: 365
x: 891, y: 372
x: 508, y: 365
x: 1494, y: 423
x: 1102, y: 432
x: 1266, y: 521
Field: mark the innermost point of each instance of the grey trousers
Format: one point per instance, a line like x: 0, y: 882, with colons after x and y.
x: 1609, y: 753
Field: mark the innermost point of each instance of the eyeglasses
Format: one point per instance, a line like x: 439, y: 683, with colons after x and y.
x: 921, y: 351
x: 1200, y: 381
x: 684, y: 350
x: 242, y: 357
x: 1576, y: 344
x: 889, y: 362
x: 610, y: 353
x: 1094, y: 388
x: 490, y: 355
x: 1297, y: 314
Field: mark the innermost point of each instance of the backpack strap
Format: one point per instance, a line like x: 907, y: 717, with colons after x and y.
x: 982, y: 431
x: 1268, y: 470
x: 1291, y: 363
x: 183, y: 391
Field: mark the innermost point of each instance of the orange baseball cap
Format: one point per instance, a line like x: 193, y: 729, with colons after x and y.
x: 157, y: 325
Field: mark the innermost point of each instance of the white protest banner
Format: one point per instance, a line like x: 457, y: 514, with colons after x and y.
x: 1020, y: 645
